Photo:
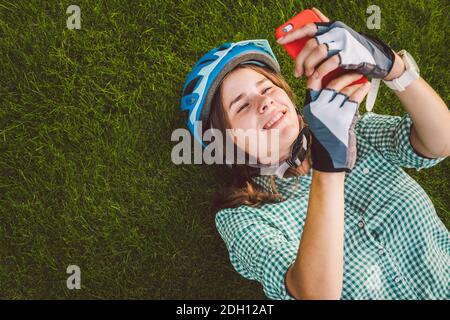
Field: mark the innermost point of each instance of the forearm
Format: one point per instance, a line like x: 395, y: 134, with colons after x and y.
x: 430, y: 133
x: 318, y: 270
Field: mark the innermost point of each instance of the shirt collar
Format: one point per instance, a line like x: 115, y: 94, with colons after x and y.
x: 284, y: 185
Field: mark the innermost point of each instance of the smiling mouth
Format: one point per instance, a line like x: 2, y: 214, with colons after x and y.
x: 276, y: 119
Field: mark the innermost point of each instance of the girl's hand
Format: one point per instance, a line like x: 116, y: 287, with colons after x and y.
x: 337, y: 45
x: 331, y: 114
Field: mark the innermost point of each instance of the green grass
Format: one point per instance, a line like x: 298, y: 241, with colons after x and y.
x: 85, y: 123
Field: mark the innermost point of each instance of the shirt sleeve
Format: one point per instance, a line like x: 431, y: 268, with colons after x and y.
x: 257, y: 250
x: 390, y: 135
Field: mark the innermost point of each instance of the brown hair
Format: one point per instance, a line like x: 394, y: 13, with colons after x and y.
x: 240, y: 189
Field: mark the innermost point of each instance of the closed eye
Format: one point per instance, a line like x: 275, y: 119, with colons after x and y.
x: 263, y: 92
x: 266, y: 89
x: 245, y: 105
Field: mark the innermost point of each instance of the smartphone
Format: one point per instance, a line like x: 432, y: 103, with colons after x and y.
x: 294, y: 48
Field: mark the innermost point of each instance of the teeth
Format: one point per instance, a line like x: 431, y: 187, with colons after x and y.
x: 273, y: 120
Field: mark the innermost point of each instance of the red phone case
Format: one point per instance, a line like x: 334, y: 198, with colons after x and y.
x: 294, y: 48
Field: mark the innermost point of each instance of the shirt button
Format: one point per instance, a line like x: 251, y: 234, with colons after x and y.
x: 366, y: 170
x: 381, y: 252
x: 398, y: 279
x: 361, y: 224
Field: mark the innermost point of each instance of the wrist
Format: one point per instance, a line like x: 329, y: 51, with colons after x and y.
x: 338, y: 175
x: 397, y: 70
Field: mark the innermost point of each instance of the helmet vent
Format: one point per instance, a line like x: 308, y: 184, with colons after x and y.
x: 191, y: 85
x: 206, y: 61
x: 223, y: 46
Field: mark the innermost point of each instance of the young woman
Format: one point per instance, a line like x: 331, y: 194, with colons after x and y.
x: 335, y: 217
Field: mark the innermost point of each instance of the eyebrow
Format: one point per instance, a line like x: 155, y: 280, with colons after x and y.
x: 242, y: 95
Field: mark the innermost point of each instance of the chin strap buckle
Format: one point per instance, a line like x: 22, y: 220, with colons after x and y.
x: 299, y: 148
x: 298, y: 152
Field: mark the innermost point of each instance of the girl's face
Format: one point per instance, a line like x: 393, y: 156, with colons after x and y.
x: 253, y: 102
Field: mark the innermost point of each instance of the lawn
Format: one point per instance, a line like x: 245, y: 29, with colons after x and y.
x: 86, y: 118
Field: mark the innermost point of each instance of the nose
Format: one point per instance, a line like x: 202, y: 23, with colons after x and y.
x: 264, y: 104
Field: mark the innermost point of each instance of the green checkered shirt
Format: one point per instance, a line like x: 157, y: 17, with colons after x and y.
x: 395, y: 245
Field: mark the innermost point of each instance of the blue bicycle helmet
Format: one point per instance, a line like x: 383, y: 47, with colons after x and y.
x: 208, y: 73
